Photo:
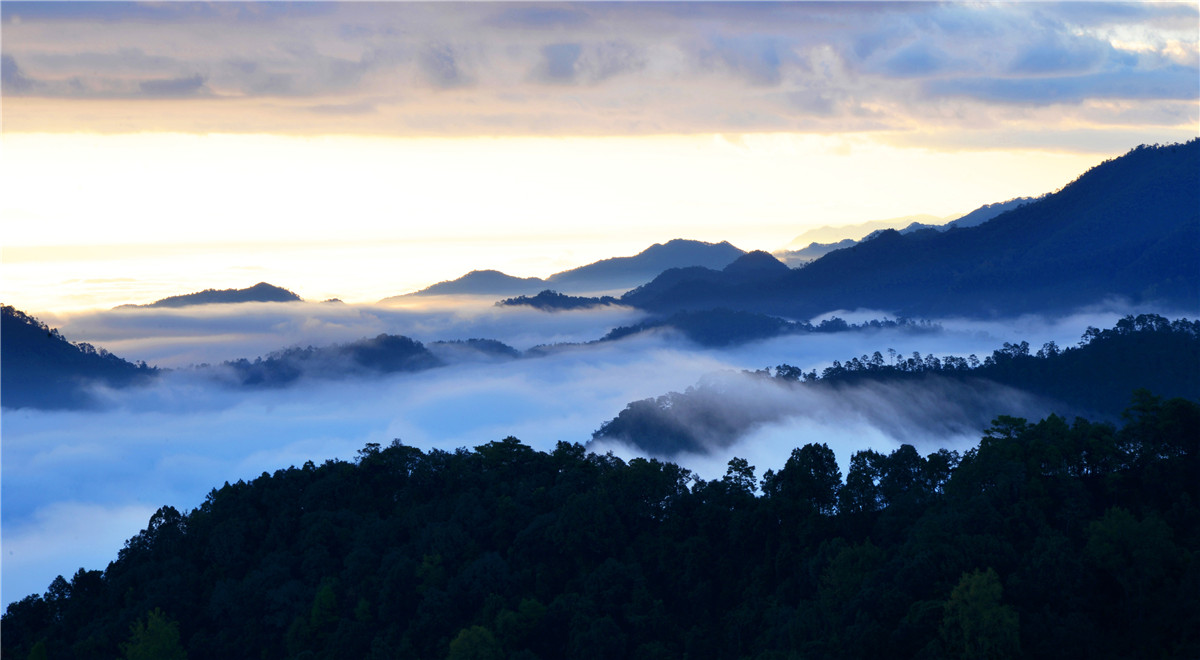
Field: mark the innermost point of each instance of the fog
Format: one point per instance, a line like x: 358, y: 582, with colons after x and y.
x: 178, y: 337
x: 76, y: 484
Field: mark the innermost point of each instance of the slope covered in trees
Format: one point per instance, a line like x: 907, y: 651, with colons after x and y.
x: 1094, y: 379
x: 41, y: 369
x: 1047, y: 540
x: 383, y: 354
x: 1127, y: 228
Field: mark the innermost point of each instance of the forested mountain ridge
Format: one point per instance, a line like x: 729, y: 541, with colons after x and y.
x: 383, y: 354
x: 1094, y: 379
x: 41, y: 369
x: 1047, y: 540
x: 1128, y: 228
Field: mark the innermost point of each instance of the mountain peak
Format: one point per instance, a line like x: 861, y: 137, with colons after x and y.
x: 261, y: 292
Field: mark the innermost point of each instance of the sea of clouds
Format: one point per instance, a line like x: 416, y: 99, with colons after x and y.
x: 76, y: 484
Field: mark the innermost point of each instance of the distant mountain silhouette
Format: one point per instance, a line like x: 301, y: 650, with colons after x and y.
x: 261, y: 292
x: 754, y: 265
x: 41, y: 369
x: 987, y: 212
x: 480, y: 282
x: 811, y: 253
x: 1128, y: 228
x: 626, y: 272
x: 977, y: 217
x: 833, y: 234
x: 617, y: 273
x: 749, y: 266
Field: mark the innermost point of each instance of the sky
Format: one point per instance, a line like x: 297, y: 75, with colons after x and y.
x: 363, y: 150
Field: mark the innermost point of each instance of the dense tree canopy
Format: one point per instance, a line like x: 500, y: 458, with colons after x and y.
x: 1048, y: 539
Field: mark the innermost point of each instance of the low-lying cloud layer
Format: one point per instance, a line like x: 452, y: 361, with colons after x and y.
x: 216, y: 333
x: 74, y: 483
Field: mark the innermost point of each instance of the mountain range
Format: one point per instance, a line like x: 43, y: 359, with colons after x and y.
x: 615, y: 274
x: 1128, y: 228
x: 798, y: 252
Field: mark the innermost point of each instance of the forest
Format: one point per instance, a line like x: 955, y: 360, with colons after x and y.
x: 1054, y: 538
x: 1092, y: 379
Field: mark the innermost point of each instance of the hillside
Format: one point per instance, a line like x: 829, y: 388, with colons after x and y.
x: 383, y: 354
x: 1045, y: 540
x: 1127, y: 228
x: 1094, y: 379
x: 41, y: 369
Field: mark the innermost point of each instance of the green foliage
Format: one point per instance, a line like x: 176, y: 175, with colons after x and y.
x: 475, y: 643
x: 155, y: 638
x: 976, y: 624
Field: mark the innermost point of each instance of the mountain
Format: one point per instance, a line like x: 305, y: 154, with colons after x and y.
x: 834, y: 234
x: 626, y: 272
x: 617, y: 273
x: 383, y: 354
x: 41, y: 369
x: 261, y: 292
x: 814, y: 251
x: 553, y: 301
x: 987, y: 212
x: 1094, y: 379
x: 755, y: 265
x: 1127, y: 228
x: 479, y: 282
x: 723, y: 327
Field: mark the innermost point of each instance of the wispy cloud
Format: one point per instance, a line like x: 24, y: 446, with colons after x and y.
x: 598, y: 68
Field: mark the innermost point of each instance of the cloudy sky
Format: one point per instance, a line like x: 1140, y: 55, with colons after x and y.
x: 361, y: 150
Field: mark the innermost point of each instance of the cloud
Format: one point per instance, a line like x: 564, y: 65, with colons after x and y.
x: 61, y: 537
x: 759, y: 61
x: 558, y: 63
x: 596, y: 68
x: 1169, y: 83
x: 1060, y: 56
x: 917, y: 60
x: 439, y: 64
x: 541, y: 17
x: 173, y: 87
x: 15, y: 82
x: 722, y: 410
x: 77, y: 483
x: 215, y: 333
